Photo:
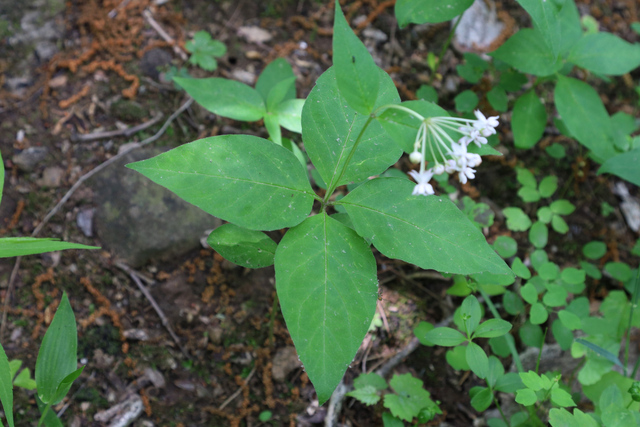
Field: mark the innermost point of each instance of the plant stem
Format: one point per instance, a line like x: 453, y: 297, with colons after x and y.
x: 510, y: 343
x: 541, y: 347
x: 634, y: 302
x: 448, y: 42
x: 504, y: 417
x: 274, y: 308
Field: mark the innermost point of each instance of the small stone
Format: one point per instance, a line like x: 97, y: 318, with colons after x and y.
x: 375, y: 34
x: 285, y: 361
x: 155, y: 376
x: 51, y: 177
x: 153, y: 60
x: 58, y: 81
x: 29, y: 158
x: 244, y: 76
x: 254, y: 34
x: 215, y: 334
x: 128, y: 110
x: 479, y: 28
x: 84, y: 220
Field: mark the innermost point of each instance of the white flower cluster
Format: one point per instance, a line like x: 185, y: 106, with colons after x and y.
x: 449, y: 156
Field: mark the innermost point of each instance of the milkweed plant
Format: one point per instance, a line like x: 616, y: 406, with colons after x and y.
x: 354, y: 128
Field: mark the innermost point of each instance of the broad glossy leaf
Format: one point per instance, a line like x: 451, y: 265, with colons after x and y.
x: 227, y: 98
x: 423, y: 11
x: 58, y: 355
x: 430, y: 232
x: 583, y: 113
x: 605, y: 53
x: 248, y: 248
x: 527, y: 51
x: 277, y: 71
x: 624, y: 165
x: 528, y: 121
x: 289, y: 114
x: 330, y: 128
x: 327, y: 285
x: 545, y: 17
x: 357, y: 74
x: 19, y: 246
x: 6, y: 385
x: 243, y: 179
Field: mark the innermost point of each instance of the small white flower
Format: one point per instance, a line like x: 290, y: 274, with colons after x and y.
x: 471, y: 135
x: 464, y: 158
x: 415, y: 157
x: 464, y: 173
x: 422, y: 179
x: 486, y: 126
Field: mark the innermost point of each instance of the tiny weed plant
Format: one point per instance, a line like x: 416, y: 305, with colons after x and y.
x: 204, y: 51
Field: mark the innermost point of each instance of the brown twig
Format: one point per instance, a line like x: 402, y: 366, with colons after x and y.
x: 114, y: 133
x: 154, y: 24
x: 238, y: 391
x: 165, y: 322
x: 66, y: 197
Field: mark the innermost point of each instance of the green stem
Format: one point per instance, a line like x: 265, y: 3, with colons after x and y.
x: 504, y: 417
x: 448, y: 42
x: 510, y: 343
x: 334, y: 182
x: 397, y: 107
x: 635, y: 368
x: 272, y: 321
x: 634, y: 302
x: 44, y: 414
x: 541, y: 346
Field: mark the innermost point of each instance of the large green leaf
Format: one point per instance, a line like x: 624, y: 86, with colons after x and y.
x: 583, y: 113
x: 327, y: 286
x: 289, y: 114
x: 58, y: 355
x: 227, y: 98
x: 423, y: 11
x: 528, y: 121
x: 625, y: 165
x: 6, y: 386
x: 430, y: 232
x: 357, y: 74
x: 19, y: 246
x: 570, y: 26
x: 330, y: 128
x: 243, y: 179
x: 605, y: 53
x: 273, y: 74
x: 545, y: 18
x: 248, y: 248
x: 527, y: 51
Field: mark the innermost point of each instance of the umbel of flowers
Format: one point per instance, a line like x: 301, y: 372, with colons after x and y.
x: 448, y: 155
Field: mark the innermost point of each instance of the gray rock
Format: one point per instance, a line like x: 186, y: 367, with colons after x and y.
x: 284, y: 362
x: 52, y: 177
x: 27, y: 159
x: 139, y: 220
x: 154, y: 59
x: 84, y: 220
x: 128, y: 110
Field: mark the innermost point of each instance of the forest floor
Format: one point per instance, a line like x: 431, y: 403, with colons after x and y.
x: 222, y: 369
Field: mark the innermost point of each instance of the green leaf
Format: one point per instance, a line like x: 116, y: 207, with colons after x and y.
x: 618, y: 270
x: 594, y: 250
x: 556, y: 151
x: 528, y: 194
x: 227, y: 98
x: 512, y: 303
x: 526, y: 51
x: 573, y: 276
x: 505, y: 246
x: 371, y: 379
x: 6, y: 385
x: 545, y: 214
x: 457, y: 358
x: 409, y: 398
x: 624, y: 165
x: 548, y: 271
x: 563, y: 418
x: 423, y: 11
x: 330, y: 128
x: 492, y: 328
x: 538, y: 257
x: 509, y: 383
x: 289, y: 114
x: 520, y: 269
x: 248, y: 248
x: 562, y: 334
x: 531, y: 380
x: 538, y: 235
x: 562, y: 207
x: 512, y: 80
x: 421, y: 330
x: 517, y: 220
x: 234, y: 177
x: 19, y: 246
x: 446, y: 337
x: 526, y: 178
x: 548, y: 186
x: 471, y: 313
x: 528, y: 121
x: 367, y: 395
x: 277, y: 71
x: 584, y: 115
x: 66, y: 383
x: 605, y: 53
x: 561, y: 398
x: 466, y: 101
x: 273, y: 128
x: 482, y: 400
x: 496, y: 371
x: 389, y: 420
x: 529, y: 293
x: 556, y: 296
x: 570, y: 320
x: 538, y: 314
x: 473, y: 68
x: 559, y: 224
x: 497, y: 97
x: 435, y: 233
x: 24, y: 380
x: 526, y: 397
x: 57, y: 358
x: 357, y: 75
x: 477, y: 360
x: 428, y: 93
x: 48, y: 419
x: 279, y: 92
x: 545, y: 19
x: 327, y: 285
x: 600, y: 351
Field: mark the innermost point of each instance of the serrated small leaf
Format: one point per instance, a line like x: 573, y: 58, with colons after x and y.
x: 531, y: 380
x: 367, y: 395
x: 409, y: 398
x: 561, y: 398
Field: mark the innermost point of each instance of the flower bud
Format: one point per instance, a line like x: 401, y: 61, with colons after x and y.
x: 634, y: 391
x: 415, y: 157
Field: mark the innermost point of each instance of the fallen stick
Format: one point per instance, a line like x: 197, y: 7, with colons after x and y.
x: 154, y: 24
x: 114, y: 133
